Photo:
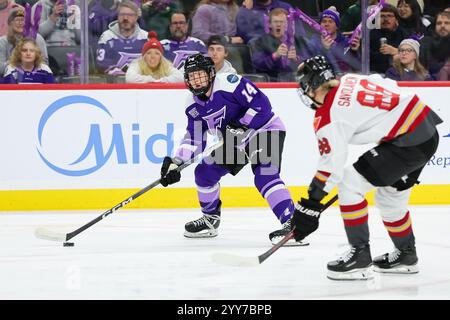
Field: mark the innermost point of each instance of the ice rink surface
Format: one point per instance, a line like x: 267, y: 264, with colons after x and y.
x: 142, y: 254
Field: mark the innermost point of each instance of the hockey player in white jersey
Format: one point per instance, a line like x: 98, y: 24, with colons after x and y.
x: 360, y: 109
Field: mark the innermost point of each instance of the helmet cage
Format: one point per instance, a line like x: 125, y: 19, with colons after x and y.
x: 315, y: 72
x: 195, y: 63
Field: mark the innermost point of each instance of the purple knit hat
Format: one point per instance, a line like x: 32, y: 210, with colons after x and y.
x: 332, y: 13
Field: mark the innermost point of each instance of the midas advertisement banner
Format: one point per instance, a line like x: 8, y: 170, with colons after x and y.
x: 96, y: 139
x: 117, y: 139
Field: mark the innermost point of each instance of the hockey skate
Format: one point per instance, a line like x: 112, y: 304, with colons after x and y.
x: 356, y: 264
x: 206, y: 226
x: 399, y: 261
x: 277, y: 235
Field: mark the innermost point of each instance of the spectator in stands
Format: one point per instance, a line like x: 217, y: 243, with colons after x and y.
x: 250, y: 18
x: 433, y: 7
x: 352, y: 16
x: 407, y: 66
x: 444, y: 73
x: 435, y: 50
x: 26, y: 65
x: 411, y: 19
x: 152, y: 66
x: 24, y: 2
x: 123, y: 42
x: 333, y: 47
x: 270, y: 55
x: 385, y: 41
x: 218, y: 52
x: 156, y: 15
x: 16, y: 23
x: 180, y: 45
x: 5, y: 8
x: 101, y: 14
x: 394, y: 3
x: 60, y: 22
x: 215, y: 17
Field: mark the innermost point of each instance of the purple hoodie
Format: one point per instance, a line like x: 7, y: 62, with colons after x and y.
x: 98, y: 21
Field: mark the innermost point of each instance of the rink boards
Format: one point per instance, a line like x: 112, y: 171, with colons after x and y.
x: 89, y: 147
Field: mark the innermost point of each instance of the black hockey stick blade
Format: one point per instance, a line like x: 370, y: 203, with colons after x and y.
x: 47, y: 234
x: 240, y: 261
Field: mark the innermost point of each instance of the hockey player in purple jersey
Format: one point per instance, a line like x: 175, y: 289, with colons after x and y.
x: 231, y: 107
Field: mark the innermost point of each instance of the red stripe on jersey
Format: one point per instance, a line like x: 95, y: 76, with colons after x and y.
x: 326, y: 174
x: 392, y: 134
x: 322, y: 117
x: 397, y: 223
x: 419, y: 118
x: 322, y: 176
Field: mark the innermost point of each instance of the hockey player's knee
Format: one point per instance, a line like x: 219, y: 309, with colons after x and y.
x: 264, y: 176
x: 352, y: 187
x: 265, y: 169
x: 206, y: 175
x: 391, y: 202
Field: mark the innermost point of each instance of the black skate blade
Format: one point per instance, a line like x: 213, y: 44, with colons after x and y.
x: 290, y: 243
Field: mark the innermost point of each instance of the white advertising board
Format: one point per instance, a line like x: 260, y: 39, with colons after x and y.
x: 88, y: 139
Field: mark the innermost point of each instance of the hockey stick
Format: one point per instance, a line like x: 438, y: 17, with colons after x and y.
x: 46, y: 234
x: 235, y: 260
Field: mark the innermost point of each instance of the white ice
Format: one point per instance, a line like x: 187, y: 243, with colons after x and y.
x: 142, y: 254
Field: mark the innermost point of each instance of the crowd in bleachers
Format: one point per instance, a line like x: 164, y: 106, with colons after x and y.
x: 140, y: 41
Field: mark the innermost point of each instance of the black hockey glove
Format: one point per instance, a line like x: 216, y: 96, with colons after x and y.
x: 169, y: 174
x: 235, y: 132
x: 306, y: 218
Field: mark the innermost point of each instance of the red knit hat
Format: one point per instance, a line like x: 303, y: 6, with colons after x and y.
x: 152, y: 43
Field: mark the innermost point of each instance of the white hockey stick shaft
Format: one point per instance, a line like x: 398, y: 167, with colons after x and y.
x: 47, y: 234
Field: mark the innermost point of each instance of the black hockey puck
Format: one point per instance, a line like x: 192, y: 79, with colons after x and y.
x: 68, y: 244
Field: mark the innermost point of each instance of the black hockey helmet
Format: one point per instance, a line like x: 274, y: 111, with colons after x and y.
x: 312, y: 74
x: 199, y: 62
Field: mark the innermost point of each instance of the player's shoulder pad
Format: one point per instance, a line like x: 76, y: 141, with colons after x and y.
x: 351, y: 76
x: 191, y: 107
x: 384, y: 82
x: 227, y: 82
